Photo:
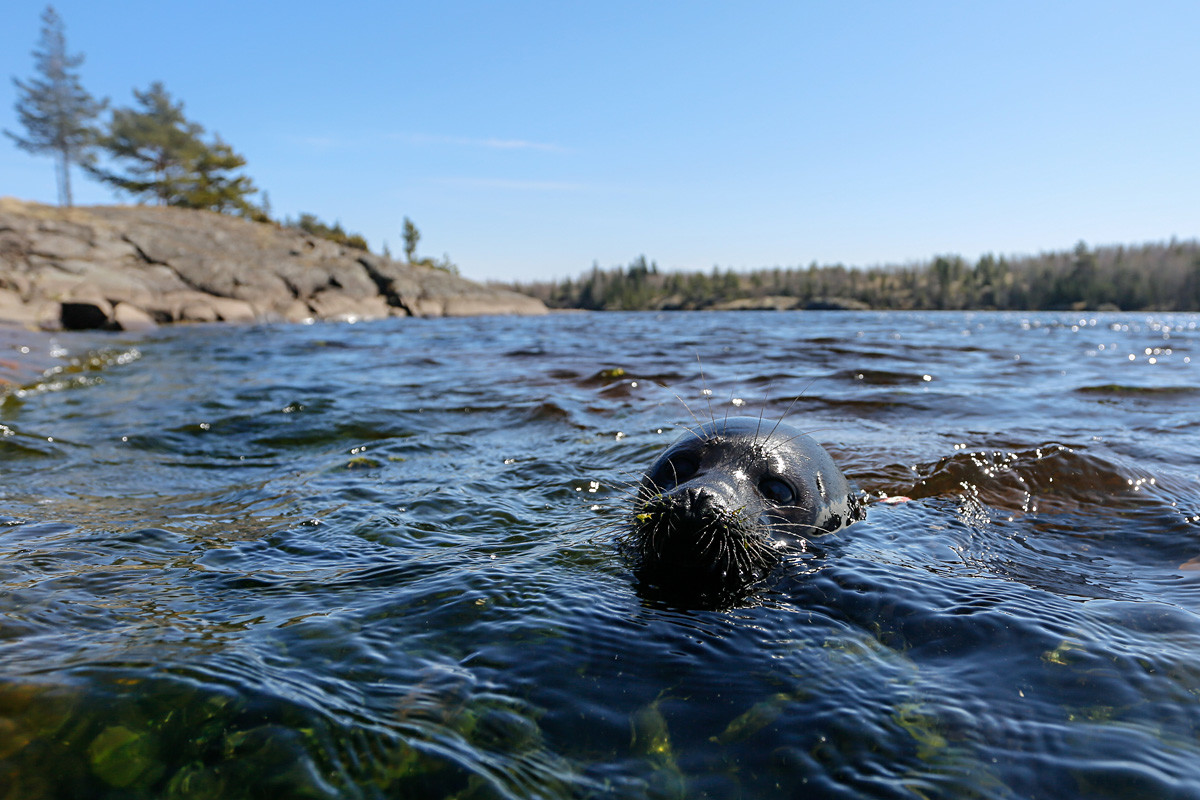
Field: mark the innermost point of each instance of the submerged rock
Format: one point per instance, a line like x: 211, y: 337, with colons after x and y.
x: 132, y: 267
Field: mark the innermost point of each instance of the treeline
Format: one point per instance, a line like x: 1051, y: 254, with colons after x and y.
x: 1144, y: 277
x: 150, y: 151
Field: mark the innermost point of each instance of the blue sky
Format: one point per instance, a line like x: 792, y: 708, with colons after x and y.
x: 528, y: 140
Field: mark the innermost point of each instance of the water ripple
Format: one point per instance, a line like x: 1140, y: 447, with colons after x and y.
x: 377, y: 560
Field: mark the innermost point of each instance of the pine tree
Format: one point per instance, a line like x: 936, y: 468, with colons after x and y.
x: 213, y: 185
x: 411, y: 237
x: 56, y: 110
x: 167, y: 159
x: 158, y: 142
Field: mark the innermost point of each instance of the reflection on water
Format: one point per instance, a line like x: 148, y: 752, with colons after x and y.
x: 377, y: 560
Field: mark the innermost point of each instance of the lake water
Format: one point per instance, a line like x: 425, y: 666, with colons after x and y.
x: 377, y: 560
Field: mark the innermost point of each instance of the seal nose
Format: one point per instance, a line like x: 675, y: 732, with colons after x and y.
x: 689, y: 526
x: 695, y: 503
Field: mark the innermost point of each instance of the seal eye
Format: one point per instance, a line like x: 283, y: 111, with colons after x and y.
x: 776, y: 491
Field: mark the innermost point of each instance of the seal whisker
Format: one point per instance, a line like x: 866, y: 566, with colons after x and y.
x: 783, y: 417
x: 788, y: 440
x: 686, y: 407
x: 758, y: 427
x: 704, y: 388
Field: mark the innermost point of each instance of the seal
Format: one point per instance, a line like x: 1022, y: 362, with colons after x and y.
x: 721, y: 506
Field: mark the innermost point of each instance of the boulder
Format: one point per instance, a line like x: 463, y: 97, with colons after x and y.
x: 337, y: 306
x: 230, y: 310
x: 128, y: 317
x: 196, y: 311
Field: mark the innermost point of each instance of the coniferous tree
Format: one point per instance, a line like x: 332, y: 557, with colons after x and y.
x: 411, y: 237
x: 55, y: 109
x: 1150, y: 277
x: 215, y: 187
x: 166, y: 158
x: 157, y: 144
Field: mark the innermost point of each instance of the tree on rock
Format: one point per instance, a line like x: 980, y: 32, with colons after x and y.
x: 216, y: 188
x: 411, y: 237
x: 55, y: 109
x: 157, y: 143
x: 166, y: 158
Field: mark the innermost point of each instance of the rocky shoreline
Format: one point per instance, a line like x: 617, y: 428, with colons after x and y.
x: 135, y: 267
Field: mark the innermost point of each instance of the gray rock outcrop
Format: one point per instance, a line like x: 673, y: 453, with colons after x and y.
x: 132, y: 267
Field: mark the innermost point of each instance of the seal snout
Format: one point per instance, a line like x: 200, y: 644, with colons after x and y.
x: 691, y: 536
x: 692, y: 504
x: 683, y: 519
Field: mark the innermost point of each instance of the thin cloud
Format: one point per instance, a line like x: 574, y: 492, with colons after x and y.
x: 516, y: 144
x: 321, y: 142
x: 491, y: 143
x: 513, y: 185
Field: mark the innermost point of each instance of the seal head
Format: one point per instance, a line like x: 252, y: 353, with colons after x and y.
x: 717, y: 511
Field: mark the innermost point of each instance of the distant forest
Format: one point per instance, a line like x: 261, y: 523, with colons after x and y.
x: 1160, y: 277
